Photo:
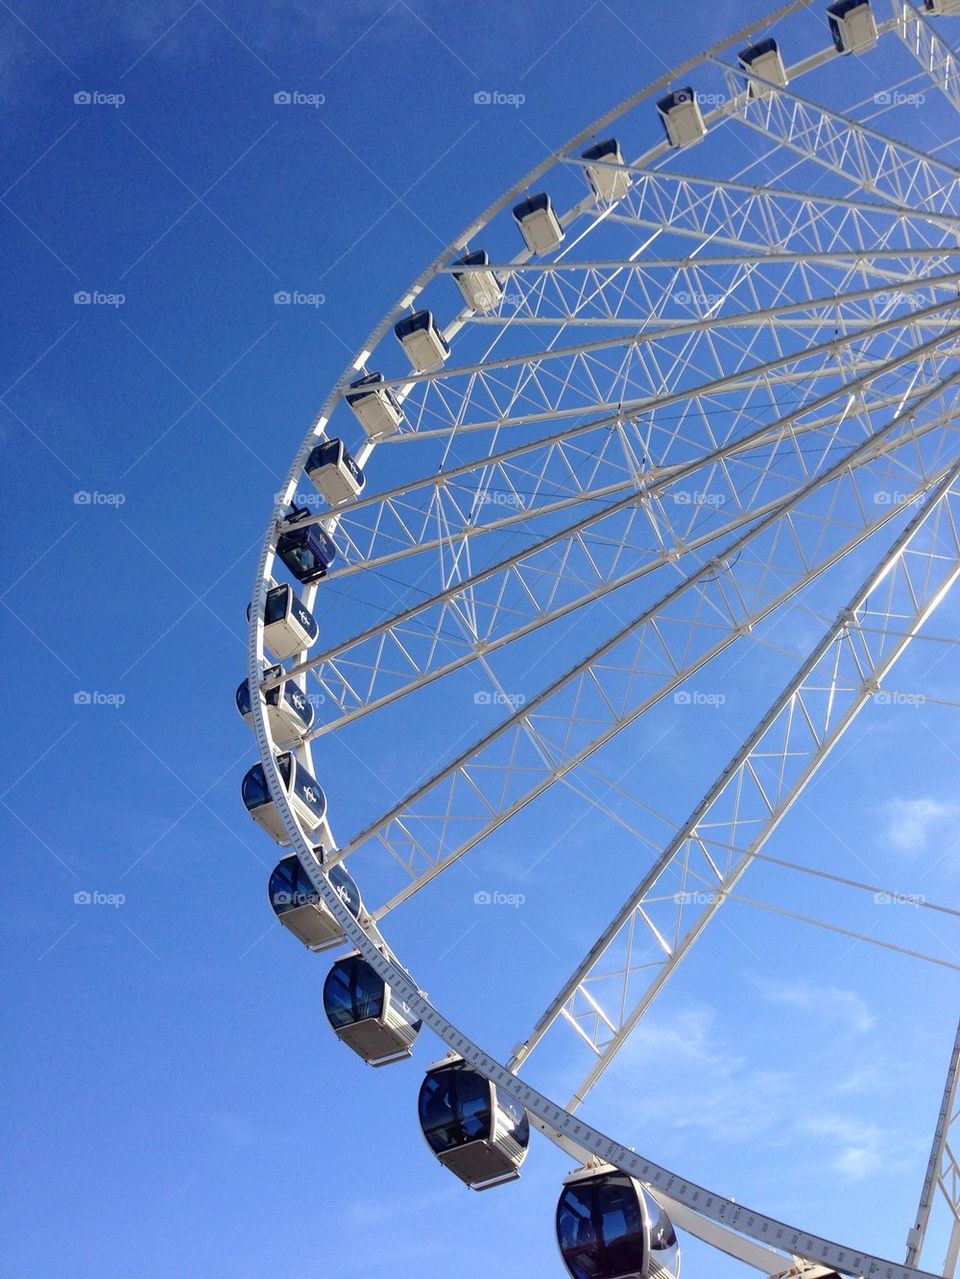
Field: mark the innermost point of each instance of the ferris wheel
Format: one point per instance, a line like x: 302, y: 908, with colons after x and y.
x: 696, y: 371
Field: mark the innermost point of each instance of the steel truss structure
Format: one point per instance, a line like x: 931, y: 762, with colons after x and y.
x: 715, y: 394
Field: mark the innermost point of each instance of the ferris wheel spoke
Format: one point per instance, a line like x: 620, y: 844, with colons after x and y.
x: 655, y: 652
x: 395, y: 659
x: 673, y: 446
x: 935, y: 57
x: 893, y: 171
x: 423, y: 646
x: 655, y: 929
x: 756, y: 220
x: 634, y: 376
x: 697, y: 284
x: 943, y: 1170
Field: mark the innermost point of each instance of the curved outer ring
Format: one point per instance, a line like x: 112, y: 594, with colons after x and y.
x: 565, y: 1130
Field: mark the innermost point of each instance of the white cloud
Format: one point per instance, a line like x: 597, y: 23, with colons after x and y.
x: 910, y: 822
x: 857, y: 1145
x: 821, y: 1001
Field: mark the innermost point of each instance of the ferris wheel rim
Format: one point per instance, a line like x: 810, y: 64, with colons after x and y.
x: 366, y: 938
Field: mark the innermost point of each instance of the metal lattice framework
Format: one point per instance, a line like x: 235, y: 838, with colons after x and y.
x: 715, y: 396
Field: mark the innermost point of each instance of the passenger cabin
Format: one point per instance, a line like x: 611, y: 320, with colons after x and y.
x: 682, y: 118
x: 608, y: 184
x: 304, y: 793
x: 307, y: 551
x: 375, y: 406
x: 302, y: 910
x: 289, y: 711
x: 365, y: 1013
x: 942, y: 7
x: 481, y: 290
x: 288, y: 625
x: 610, y: 1227
x: 763, y: 60
x: 426, y: 347
x: 852, y: 26
x: 333, y: 472
x: 539, y: 225
x: 473, y: 1128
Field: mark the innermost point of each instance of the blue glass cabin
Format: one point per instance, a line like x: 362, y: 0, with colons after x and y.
x: 301, y: 909
x: 474, y: 1129
x: 333, y: 472
x: 539, y: 225
x: 763, y: 59
x: 481, y: 290
x: 852, y: 26
x: 681, y: 117
x: 422, y: 340
x: 375, y: 406
x: 305, y: 794
x: 289, y: 710
x: 365, y: 1013
x: 609, y: 1227
x: 288, y: 625
x: 608, y: 184
x: 307, y: 551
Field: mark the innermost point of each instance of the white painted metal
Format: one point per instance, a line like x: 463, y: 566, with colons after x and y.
x: 831, y: 286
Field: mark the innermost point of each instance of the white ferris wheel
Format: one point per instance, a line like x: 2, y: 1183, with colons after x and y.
x: 695, y: 373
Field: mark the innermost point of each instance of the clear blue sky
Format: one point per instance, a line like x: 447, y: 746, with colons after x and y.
x: 173, y: 1103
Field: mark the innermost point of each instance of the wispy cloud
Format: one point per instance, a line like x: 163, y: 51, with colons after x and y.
x: 822, y: 1001
x: 858, y: 1146
x: 911, y: 822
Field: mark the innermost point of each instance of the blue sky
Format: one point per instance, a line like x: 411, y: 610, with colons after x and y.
x: 173, y: 1101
